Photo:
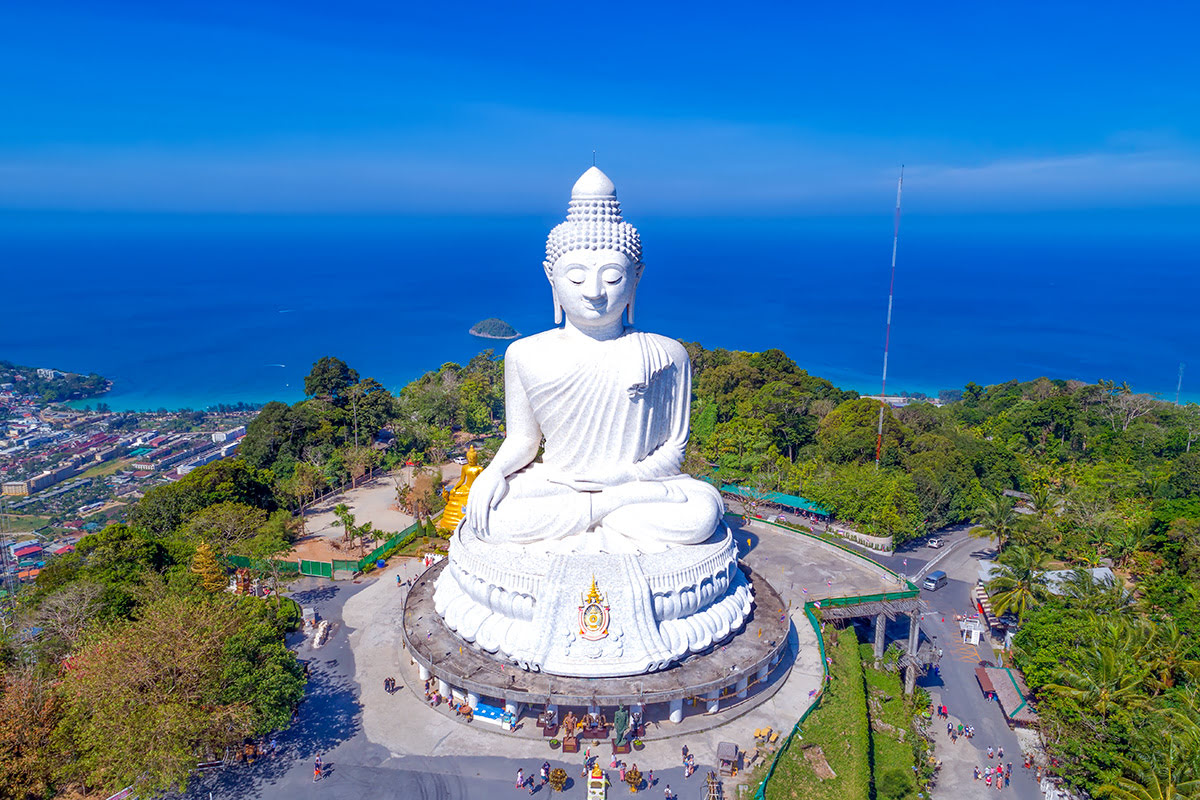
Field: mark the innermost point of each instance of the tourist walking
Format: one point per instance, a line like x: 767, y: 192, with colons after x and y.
x: 545, y: 772
x: 667, y: 793
x: 1000, y: 752
x: 520, y: 778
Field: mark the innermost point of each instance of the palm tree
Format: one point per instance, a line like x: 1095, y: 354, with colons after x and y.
x: 342, y: 512
x: 1170, y: 657
x: 1107, y: 595
x: 366, y: 532
x: 1166, y: 774
x: 1044, y: 498
x: 1018, y: 582
x: 1108, y: 680
x: 1124, y: 541
x: 995, y: 518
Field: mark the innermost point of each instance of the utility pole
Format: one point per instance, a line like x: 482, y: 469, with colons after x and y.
x: 1179, y: 383
x: 887, y: 336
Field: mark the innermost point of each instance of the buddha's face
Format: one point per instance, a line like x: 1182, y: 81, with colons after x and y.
x: 594, y: 287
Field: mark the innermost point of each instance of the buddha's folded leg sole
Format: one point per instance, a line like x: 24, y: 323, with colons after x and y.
x: 593, y: 614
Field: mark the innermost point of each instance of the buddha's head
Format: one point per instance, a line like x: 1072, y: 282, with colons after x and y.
x: 594, y: 259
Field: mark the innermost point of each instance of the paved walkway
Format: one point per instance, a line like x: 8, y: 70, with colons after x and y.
x: 380, y: 745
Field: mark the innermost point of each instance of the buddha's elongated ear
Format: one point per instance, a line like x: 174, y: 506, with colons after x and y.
x: 637, y: 278
x: 558, y: 309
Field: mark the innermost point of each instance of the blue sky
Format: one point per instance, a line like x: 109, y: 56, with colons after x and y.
x: 698, y: 109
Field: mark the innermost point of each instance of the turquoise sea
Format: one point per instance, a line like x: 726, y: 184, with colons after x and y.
x: 187, y: 311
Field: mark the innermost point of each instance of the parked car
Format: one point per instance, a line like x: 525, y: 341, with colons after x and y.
x: 460, y: 459
x: 935, y: 543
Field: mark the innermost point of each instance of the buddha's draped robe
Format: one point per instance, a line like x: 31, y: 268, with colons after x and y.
x: 621, y: 406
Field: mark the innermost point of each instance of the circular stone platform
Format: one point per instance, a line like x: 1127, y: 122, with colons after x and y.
x: 741, y: 659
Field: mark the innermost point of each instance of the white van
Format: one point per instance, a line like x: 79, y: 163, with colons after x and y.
x: 935, y: 580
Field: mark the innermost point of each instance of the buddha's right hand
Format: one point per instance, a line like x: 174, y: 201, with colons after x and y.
x: 486, y: 493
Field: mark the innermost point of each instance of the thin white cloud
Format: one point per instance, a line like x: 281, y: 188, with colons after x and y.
x: 522, y: 162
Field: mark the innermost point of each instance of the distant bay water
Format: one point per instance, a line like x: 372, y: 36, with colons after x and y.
x: 190, y: 311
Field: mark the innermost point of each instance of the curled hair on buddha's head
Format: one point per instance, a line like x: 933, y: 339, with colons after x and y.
x: 593, y: 223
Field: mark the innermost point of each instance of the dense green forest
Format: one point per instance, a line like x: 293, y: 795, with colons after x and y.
x: 132, y: 640
x: 1108, y: 473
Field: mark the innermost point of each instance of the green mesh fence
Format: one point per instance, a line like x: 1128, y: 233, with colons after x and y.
x: 390, y: 546
x: 761, y: 793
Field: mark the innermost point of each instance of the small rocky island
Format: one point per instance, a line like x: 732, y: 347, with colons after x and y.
x: 494, y: 329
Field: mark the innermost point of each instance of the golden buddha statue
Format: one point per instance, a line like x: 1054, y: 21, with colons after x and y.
x: 456, y: 498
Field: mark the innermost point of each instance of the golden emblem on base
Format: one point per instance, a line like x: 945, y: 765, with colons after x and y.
x: 593, y: 614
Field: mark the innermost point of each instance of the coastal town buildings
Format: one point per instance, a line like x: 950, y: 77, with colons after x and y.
x: 66, y: 472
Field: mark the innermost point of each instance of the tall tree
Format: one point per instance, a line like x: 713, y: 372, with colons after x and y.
x: 211, y: 574
x: 995, y: 517
x: 225, y: 526
x: 359, y: 461
x: 329, y: 379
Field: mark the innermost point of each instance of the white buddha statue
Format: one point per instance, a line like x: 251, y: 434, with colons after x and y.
x: 610, y: 402
x: 600, y: 558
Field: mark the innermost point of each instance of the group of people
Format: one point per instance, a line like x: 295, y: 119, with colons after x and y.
x: 529, y: 782
x: 389, y: 685
x: 998, y: 776
x: 955, y: 731
x: 689, y: 763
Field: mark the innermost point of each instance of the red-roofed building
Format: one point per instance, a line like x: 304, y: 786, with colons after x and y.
x: 27, y: 550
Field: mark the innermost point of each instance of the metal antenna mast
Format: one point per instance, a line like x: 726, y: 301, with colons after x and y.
x: 887, y: 336
x: 1179, y: 384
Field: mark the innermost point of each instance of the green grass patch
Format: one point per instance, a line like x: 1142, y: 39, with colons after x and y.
x: 421, y: 545
x: 839, y: 727
x: 107, y: 468
x: 25, y: 522
x: 895, y: 744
